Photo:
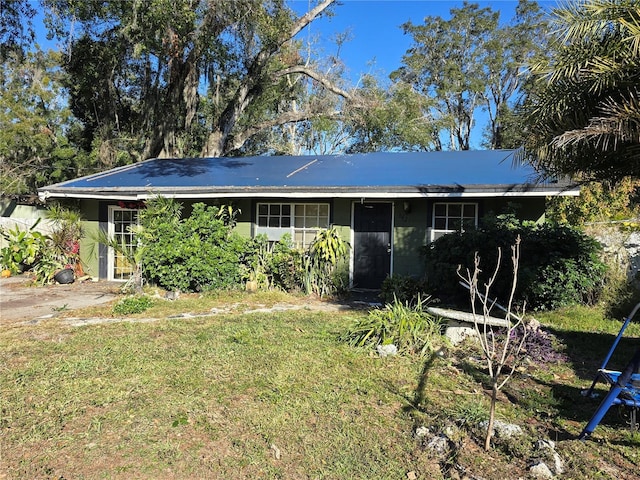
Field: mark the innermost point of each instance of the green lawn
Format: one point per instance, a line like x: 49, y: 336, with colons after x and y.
x: 277, y: 395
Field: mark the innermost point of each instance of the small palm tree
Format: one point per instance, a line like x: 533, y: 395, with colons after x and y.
x: 583, y: 112
x: 133, y: 255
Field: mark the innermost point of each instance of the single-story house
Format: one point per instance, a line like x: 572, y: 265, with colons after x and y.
x: 387, y: 205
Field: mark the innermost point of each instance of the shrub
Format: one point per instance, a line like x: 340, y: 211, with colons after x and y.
x: 192, y: 254
x: 559, y: 265
x: 410, y: 328
x: 24, y: 248
x: 285, y: 265
x: 323, y: 264
x: 404, y: 289
x: 131, y: 305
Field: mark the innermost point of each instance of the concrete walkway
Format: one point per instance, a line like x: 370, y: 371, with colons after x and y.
x: 23, y: 303
x: 20, y: 301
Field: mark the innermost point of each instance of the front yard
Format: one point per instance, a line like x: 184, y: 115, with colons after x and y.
x: 276, y: 394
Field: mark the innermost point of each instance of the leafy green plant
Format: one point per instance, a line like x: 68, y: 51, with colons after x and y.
x: 560, y: 265
x: 257, y: 262
x: 65, y: 236
x: 410, y: 328
x: 49, y: 263
x: 24, y: 248
x: 196, y: 253
x: 403, y: 288
x: 133, y: 304
x: 285, y: 265
x: 322, y: 263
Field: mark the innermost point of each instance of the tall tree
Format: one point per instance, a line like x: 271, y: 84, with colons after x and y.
x: 16, y: 28
x: 34, y: 123
x: 583, y: 117
x: 185, y: 77
x: 393, y: 118
x: 511, y: 48
x: 446, y: 63
x: 471, y: 62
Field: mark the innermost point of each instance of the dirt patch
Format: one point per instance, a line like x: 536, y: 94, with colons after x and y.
x: 21, y: 301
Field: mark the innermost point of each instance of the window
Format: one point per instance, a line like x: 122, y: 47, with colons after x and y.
x: 120, y: 222
x: 301, y: 220
x: 452, y: 217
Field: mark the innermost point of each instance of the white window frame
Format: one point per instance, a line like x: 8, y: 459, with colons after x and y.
x: 111, y: 254
x: 307, y: 225
x: 435, y: 233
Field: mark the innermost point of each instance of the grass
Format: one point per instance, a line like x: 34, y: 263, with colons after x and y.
x: 277, y: 395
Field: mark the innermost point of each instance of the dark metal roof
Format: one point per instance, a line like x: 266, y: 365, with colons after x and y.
x: 417, y: 173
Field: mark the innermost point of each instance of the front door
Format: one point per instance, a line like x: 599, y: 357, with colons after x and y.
x: 371, y: 244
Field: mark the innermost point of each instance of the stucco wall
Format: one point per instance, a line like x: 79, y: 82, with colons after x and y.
x: 411, y: 221
x: 621, y: 247
x: 24, y: 217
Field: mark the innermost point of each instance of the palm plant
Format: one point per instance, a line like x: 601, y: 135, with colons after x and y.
x: 583, y: 112
x: 132, y: 255
x: 65, y: 236
x: 325, y: 253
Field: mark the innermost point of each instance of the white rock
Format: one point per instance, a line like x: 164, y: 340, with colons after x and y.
x: 544, y: 444
x: 503, y: 429
x: 439, y: 445
x: 387, y: 350
x: 541, y: 471
x: 558, y: 464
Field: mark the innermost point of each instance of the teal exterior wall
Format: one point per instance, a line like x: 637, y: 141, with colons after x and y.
x: 89, y: 250
x: 409, y: 236
x: 411, y: 221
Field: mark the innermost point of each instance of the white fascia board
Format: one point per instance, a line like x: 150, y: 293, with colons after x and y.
x: 43, y: 195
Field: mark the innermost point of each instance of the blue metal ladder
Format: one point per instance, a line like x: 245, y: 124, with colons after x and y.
x: 625, y: 385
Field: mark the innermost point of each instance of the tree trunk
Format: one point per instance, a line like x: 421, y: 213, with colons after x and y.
x: 492, y: 414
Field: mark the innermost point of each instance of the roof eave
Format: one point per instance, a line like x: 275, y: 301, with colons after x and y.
x: 417, y: 191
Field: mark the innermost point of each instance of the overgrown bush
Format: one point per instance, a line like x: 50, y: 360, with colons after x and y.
x: 403, y: 288
x: 197, y: 253
x: 285, y: 265
x: 274, y: 265
x: 559, y: 266
x: 410, y: 328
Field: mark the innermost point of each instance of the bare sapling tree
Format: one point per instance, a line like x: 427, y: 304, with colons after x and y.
x: 501, y: 353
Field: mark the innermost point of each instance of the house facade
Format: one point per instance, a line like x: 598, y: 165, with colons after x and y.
x: 386, y: 205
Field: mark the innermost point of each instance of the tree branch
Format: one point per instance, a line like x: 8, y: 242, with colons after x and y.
x: 282, y: 119
x: 321, y: 79
x: 249, y: 87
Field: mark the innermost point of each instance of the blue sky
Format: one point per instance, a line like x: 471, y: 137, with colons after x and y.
x: 376, y: 41
x: 374, y: 27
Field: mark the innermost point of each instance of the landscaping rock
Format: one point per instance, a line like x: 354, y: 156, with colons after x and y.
x: 547, y: 449
x: 387, y: 350
x: 503, y: 429
x: 540, y: 471
x: 439, y: 445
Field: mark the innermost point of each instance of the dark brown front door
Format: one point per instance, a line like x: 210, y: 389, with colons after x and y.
x: 371, y: 244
